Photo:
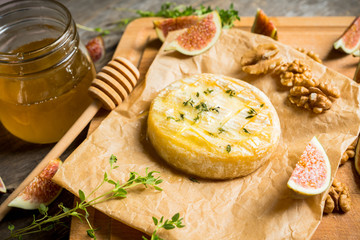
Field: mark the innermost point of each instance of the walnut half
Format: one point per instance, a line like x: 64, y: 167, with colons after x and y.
x: 306, y: 91
x: 338, y: 198
x: 260, y: 60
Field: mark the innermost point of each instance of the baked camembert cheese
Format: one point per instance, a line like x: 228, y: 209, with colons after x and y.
x: 213, y: 126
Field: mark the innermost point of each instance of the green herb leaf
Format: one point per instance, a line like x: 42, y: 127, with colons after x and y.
x: 11, y: 227
x: 252, y: 113
x: 158, y: 188
x: 155, y: 220
x: 112, y: 160
x: 262, y: 105
x: 122, y: 193
x: 197, y: 118
x: 81, y: 195
x: 221, y: 130
x: 189, y: 102
x: 168, y: 226
x: 193, y: 179
x: 246, y: 131
x: 158, y: 181
x: 228, y: 148
x: 91, y: 233
x: 175, y: 217
x: 228, y: 16
x: 214, y: 109
x: 43, y: 209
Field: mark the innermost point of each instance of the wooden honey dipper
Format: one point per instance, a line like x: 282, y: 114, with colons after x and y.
x: 110, y: 87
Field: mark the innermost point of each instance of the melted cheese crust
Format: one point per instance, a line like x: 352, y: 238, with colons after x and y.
x: 213, y: 126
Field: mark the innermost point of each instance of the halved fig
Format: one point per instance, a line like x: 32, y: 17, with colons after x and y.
x: 199, y: 37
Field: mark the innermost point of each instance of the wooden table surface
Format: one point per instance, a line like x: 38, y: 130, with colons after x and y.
x: 18, y: 158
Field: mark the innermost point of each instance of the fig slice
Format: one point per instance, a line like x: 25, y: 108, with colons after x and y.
x: 312, y: 173
x: 349, y: 42
x: 263, y: 25
x: 41, y: 190
x: 199, y: 37
x: 2, y: 186
x: 164, y: 26
x: 96, y: 48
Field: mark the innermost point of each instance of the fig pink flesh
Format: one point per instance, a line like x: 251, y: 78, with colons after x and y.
x: 199, y: 35
x: 2, y: 186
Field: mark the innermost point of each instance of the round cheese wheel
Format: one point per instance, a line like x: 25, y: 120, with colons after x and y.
x: 213, y: 126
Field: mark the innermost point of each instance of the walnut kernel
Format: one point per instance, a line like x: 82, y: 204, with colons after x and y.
x: 260, y: 60
x: 338, y: 198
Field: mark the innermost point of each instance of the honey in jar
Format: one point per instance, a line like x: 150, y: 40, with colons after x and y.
x: 44, y: 71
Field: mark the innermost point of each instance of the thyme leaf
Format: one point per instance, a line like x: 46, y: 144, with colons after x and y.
x: 228, y: 148
x: 246, y: 131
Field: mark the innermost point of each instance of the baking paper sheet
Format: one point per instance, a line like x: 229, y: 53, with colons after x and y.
x: 258, y: 206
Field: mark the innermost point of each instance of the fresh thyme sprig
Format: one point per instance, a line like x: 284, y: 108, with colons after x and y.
x: 202, y: 107
x: 252, y: 113
x: 168, y: 224
x: 181, y: 117
x: 119, y: 191
x: 208, y: 91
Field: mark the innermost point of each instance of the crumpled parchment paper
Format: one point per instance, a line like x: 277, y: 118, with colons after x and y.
x: 258, y: 206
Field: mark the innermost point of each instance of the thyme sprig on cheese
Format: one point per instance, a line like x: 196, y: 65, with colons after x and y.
x: 201, y: 106
x: 221, y: 130
x: 252, y: 113
x: 189, y: 102
x: 231, y: 92
x: 181, y: 117
x: 208, y: 91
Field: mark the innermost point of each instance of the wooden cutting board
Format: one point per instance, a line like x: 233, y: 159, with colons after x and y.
x: 140, y: 45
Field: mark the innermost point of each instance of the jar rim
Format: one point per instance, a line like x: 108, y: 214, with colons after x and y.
x: 47, y: 47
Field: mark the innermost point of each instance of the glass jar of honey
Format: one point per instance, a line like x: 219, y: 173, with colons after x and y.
x: 44, y: 70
